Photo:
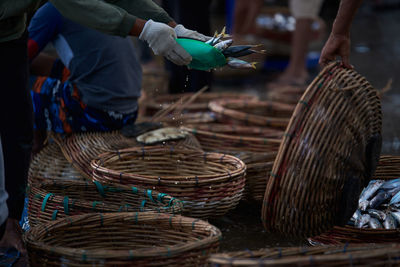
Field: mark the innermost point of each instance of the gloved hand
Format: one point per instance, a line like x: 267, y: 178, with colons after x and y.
x: 181, y: 31
x: 161, y: 39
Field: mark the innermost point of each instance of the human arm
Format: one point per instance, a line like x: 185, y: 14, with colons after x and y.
x: 245, y: 15
x: 338, y: 43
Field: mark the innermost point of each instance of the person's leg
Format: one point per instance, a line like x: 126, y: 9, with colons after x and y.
x: 16, y: 129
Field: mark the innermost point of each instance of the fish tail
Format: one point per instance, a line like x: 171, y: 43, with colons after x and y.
x: 253, y: 65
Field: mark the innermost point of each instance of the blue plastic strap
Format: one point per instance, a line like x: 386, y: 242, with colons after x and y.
x: 136, y: 217
x: 160, y: 197
x: 142, y: 205
x: 134, y: 190
x: 150, y: 195
x: 45, y: 201
x: 101, y: 219
x: 66, y: 207
x: 54, y: 216
x: 100, y: 188
x: 170, y: 202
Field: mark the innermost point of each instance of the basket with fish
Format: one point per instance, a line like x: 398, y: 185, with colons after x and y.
x: 260, y: 113
x: 122, y: 239
x: 52, y: 200
x: 377, y: 218
x: 344, y: 255
x: 329, y: 152
x: 160, y: 102
x: 209, y: 184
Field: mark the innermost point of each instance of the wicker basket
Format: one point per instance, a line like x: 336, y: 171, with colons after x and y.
x: 388, y: 168
x: 50, y: 164
x: 200, y: 105
x: 80, y: 149
x: 246, y: 143
x: 209, y: 184
x: 262, y: 113
x: 122, y: 239
x: 326, y: 157
x: 352, y: 255
x: 183, y: 119
x: 286, y: 94
x: 57, y: 199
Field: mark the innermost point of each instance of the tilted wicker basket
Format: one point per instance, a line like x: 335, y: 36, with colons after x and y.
x: 388, y: 168
x: 347, y: 255
x: 122, y: 239
x: 261, y: 113
x: 52, y: 200
x: 328, y: 154
x: 209, y: 184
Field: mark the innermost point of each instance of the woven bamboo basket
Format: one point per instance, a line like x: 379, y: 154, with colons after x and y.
x: 122, y: 239
x: 348, y: 255
x: 57, y: 199
x: 50, y: 164
x: 388, y: 168
x: 200, y: 105
x: 183, y: 119
x: 261, y: 113
x: 209, y: 184
x: 80, y: 149
x: 246, y: 143
x: 328, y: 154
x: 287, y: 94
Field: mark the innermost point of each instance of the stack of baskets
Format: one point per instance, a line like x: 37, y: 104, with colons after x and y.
x: 388, y: 168
x: 256, y: 146
x: 123, y: 239
x: 209, y: 184
x: 328, y: 154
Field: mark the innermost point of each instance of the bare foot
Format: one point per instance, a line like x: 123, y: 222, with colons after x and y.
x: 13, y: 236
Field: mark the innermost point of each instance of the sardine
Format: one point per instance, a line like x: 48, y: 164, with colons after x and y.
x: 370, y: 190
x: 363, y: 205
x: 232, y: 51
x: 390, y: 222
x: 377, y: 214
x: 223, y: 44
x: 395, y: 199
x: 374, y: 223
x: 240, y: 64
x: 391, y: 184
x: 363, y: 221
x: 356, y: 216
x: 380, y: 197
x: 248, y: 52
x: 396, y: 216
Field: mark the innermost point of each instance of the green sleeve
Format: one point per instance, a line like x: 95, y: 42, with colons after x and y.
x: 114, y: 17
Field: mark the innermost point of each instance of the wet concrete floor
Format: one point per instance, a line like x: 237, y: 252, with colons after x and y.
x: 375, y: 54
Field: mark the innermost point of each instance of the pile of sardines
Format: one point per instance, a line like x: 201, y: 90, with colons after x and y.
x: 378, y: 206
x: 232, y: 52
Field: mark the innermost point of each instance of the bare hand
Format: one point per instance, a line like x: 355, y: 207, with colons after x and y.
x: 246, y: 12
x: 337, y: 45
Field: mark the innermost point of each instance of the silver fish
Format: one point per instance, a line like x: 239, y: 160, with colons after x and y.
x: 363, y: 205
x: 240, y: 64
x: 377, y: 214
x: 396, y: 216
x: 374, y: 223
x: 223, y: 44
x: 390, y: 222
x: 395, y: 199
x: 363, y: 221
x: 356, y: 216
x: 391, y: 184
x: 370, y: 190
x: 379, y: 198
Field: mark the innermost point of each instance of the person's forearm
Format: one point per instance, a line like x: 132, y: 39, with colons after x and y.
x: 345, y: 15
x: 119, y: 18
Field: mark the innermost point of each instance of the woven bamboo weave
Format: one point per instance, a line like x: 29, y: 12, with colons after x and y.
x: 388, y: 168
x: 327, y: 155
x: 57, y: 199
x: 50, y: 164
x: 122, y: 239
x: 183, y: 119
x: 287, y: 94
x: 347, y: 255
x: 209, y: 184
x: 261, y: 113
x: 80, y: 149
x: 200, y: 105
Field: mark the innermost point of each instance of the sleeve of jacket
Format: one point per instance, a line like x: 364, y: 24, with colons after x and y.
x: 115, y: 17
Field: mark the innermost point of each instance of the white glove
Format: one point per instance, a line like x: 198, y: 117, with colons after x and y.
x: 161, y: 39
x: 181, y: 31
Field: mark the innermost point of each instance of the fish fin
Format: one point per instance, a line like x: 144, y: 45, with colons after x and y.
x: 253, y: 65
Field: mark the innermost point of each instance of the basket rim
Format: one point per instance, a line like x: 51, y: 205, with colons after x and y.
x: 240, y: 166
x: 32, y: 239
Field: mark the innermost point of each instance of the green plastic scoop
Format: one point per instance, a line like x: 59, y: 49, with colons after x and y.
x: 204, y: 56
